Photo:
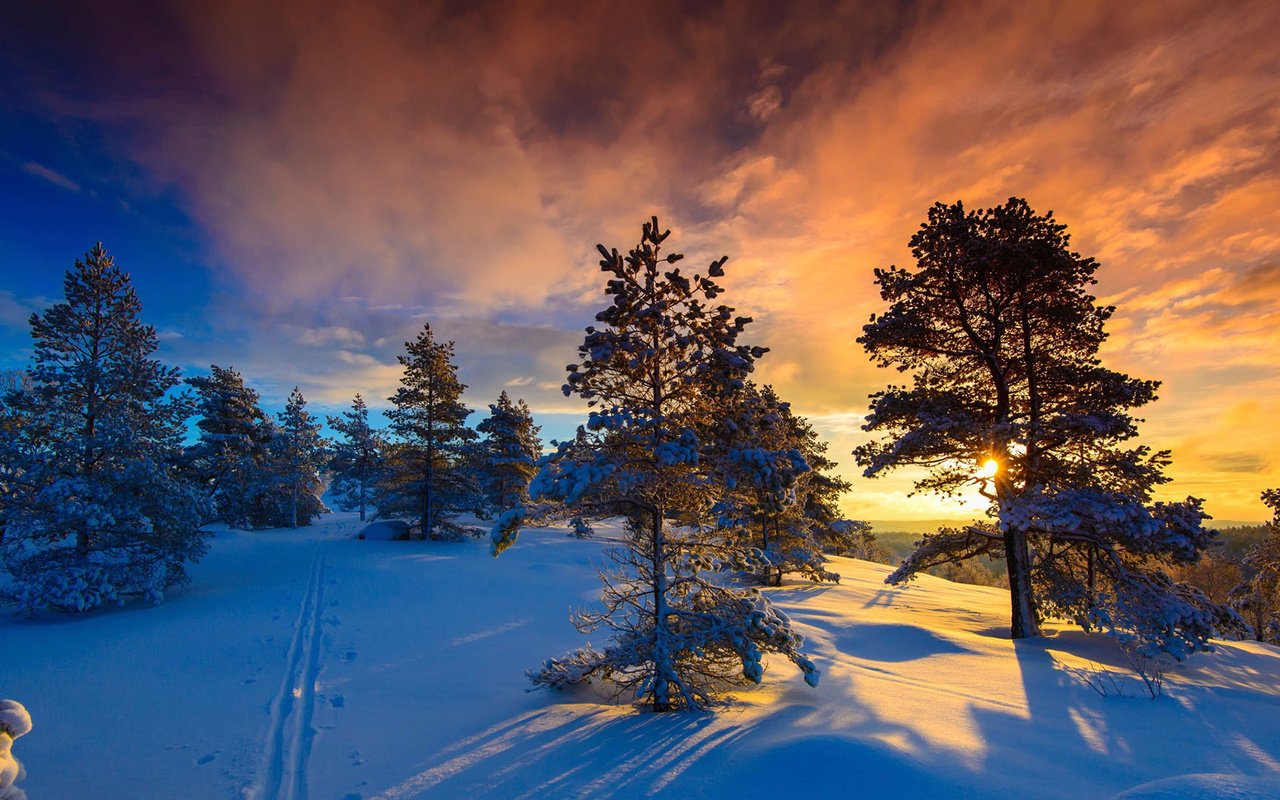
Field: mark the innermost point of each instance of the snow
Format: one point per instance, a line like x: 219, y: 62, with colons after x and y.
x: 308, y: 663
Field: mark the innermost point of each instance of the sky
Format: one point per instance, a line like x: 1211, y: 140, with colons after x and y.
x: 296, y: 187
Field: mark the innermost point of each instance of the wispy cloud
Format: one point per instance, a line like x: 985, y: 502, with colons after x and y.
x: 50, y: 175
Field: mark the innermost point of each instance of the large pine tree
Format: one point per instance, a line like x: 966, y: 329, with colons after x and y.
x: 660, y: 369
x: 427, y: 476
x: 357, y: 458
x: 95, y: 508
x: 1000, y: 334
x: 510, y: 451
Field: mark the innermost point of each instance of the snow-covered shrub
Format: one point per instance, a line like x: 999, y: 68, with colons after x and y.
x: 15, y: 722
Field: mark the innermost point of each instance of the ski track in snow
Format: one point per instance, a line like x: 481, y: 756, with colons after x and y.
x: 289, y: 738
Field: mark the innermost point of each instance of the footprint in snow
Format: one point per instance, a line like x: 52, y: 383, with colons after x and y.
x: 202, y: 760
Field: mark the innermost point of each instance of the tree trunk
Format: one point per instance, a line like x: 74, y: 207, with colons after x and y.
x: 663, y: 673
x: 1023, y: 622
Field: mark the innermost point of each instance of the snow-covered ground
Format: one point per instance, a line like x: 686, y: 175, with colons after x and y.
x: 310, y: 664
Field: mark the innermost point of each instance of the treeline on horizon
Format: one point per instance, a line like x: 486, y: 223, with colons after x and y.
x: 720, y: 485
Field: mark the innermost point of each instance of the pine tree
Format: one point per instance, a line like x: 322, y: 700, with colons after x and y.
x: 235, y: 433
x: 357, y: 458
x: 95, y: 508
x: 16, y: 435
x: 782, y: 500
x: 290, y: 494
x: 510, y: 451
x: 1258, y: 598
x: 1001, y: 336
x: 660, y: 369
x: 426, y: 476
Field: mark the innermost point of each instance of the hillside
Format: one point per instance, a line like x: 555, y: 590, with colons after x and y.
x: 310, y: 664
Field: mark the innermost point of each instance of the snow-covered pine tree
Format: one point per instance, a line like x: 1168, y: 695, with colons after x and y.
x: 1000, y: 333
x: 99, y: 512
x: 426, y: 476
x: 1258, y: 598
x: 227, y: 459
x: 288, y: 493
x: 16, y: 435
x: 781, y: 498
x: 357, y: 457
x: 659, y: 370
x: 510, y: 451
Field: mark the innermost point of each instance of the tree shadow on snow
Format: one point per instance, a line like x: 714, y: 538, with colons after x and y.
x: 1123, y: 739
x: 576, y: 751
x: 894, y: 643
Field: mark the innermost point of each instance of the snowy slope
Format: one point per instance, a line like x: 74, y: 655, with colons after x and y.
x: 310, y: 664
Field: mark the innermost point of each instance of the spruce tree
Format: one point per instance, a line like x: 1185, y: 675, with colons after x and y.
x: 235, y: 433
x: 289, y: 493
x: 659, y: 370
x: 510, y: 452
x: 426, y: 476
x: 95, y: 510
x: 1000, y: 334
x: 784, y: 502
x: 357, y: 458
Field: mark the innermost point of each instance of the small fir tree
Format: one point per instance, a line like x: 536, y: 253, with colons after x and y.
x: 784, y: 502
x: 426, y: 476
x: 510, y: 450
x: 95, y: 510
x: 661, y: 368
x: 235, y: 433
x: 290, y: 495
x: 357, y: 458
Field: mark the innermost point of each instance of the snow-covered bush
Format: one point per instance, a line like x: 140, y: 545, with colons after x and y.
x: 14, y: 723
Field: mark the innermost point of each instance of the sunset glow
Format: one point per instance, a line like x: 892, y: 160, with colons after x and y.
x: 295, y: 187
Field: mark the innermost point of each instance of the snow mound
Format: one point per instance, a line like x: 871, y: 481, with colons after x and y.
x: 14, y: 719
x: 385, y: 531
x: 14, y: 722
x: 1207, y: 786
